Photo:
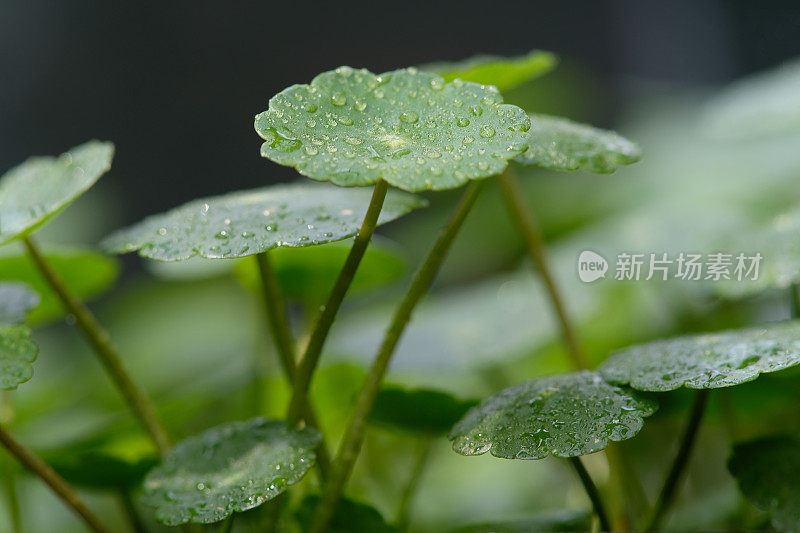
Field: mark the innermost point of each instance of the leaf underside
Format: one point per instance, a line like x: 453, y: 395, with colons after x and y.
x: 768, y: 472
x: 349, y: 516
x: 410, y: 128
x: 16, y: 299
x: 706, y: 361
x: 229, y: 468
x: 41, y: 187
x: 17, y: 354
x: 503, y: 72
x: 560, y: 144
x: 418, y: 410
x: 566, y: 416
x: 249, y: 222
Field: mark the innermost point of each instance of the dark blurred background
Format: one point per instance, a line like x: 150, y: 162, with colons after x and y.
x: 176, y: 84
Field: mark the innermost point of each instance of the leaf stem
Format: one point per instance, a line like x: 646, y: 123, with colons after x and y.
x: 529, y: 228
x: 126, y: 500
x: 591, y: 490
x: 56, y: 482
x: 676, y: 472
x: 281, y: 331
x: 354, y: 434
x: 324, y: 321
x: 794, y: 300
x: 421, y: 457
x: 100, y: 341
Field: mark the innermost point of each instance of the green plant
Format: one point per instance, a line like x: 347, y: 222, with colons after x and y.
x: 439, y: 127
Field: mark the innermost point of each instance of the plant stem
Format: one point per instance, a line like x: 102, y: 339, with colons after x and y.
x: 9, y: 479
x: 591, y: 490
x: 56, y: 482
x: 536, y: 249
x: 324, y: 321
x: 415, y: 477
x: 794, y: 300
x: 130, y: 511
x: 100, y: 341
x: 281, y: 332
x: 671, y: 484
x: 354, y: 434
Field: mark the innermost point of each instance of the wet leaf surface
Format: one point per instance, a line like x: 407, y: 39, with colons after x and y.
x: 561, y: 144
x: 566, y: 416
x: 249, y: 222
x: 17, y: 354
x: 768, y: 472
x: 229, y: 468
x: 41, y: 187
x: 410, y: 128
x: 706, y: 361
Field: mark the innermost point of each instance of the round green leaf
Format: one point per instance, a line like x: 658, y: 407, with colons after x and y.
x: 41, y: 187
x: 767, y: 103
x: 86, y: 274
x: 503, y: 72
x: 779, y: 247
x: 16, y: 299
x: 560, y: 144
x: 249, y: 222
x: 418, y: 410
x: 410, y: 128
x: 706, y: 361
x: 308, y: 274
x: 350, y: 516
x: 768, y: 472
x: 230, y: 468
x: 566, y: 416
x: 17, y: 354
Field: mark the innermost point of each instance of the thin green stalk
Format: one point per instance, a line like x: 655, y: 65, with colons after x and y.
x: 354, y: 434
x: 667, y: 494
x: 7, y: 473
x: 62, y: 489
x: 100, y: 341
x: 591, y: 490
x: 421, y: 457
x: 324, y: 321
x: 794, y: 300
x: 529, y: 228
x: 281, y: 332
x: 129, y: 507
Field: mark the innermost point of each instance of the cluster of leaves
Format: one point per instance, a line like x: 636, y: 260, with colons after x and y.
x: 435, y: 128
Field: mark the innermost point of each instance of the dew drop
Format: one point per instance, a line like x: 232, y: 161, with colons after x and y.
x: 487, y: 131
x: 409, y: 117
x: 463, y: 122
x: 339, y: 99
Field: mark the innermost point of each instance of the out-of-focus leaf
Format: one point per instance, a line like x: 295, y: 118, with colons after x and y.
x: 549, y: 521
x: 349, y: 517
x: 767, y: 103
x: 419, y: 410
x: 779, y: 249
x: 503, y: 72
x: 41, y: 187
x: 249, y: 222
x: 86, y: 273
x: 16, y: 299
x: 560, y: 144
x: 768, y: 472
x: 17, y: 354
x: 706, y: 361
x: 483, y: 324
x: 566, y: 416
x: 230, y: 468
x: 100, y: 470
x: 308, y: 274
x: 410, y: 128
